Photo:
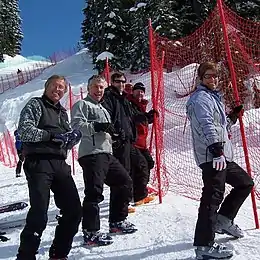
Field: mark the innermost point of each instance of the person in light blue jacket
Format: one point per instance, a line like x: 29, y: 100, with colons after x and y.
x: 214, y: 155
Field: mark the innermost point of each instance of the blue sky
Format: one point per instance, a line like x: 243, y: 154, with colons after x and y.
x: 50, y: 25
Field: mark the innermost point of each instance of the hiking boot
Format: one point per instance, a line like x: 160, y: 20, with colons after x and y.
x: 124, y: 227
x: 131, y: 209
x: 146, y: 200
x: 225, y: 225
x: 96, y: 238
x: 216, y: 251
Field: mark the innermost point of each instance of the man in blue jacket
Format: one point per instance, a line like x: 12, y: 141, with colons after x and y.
x: 214, y: 155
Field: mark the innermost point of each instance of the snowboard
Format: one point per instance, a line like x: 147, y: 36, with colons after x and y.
x: 12, y: 207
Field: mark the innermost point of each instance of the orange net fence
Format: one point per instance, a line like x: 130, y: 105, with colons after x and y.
x: 182, y: 58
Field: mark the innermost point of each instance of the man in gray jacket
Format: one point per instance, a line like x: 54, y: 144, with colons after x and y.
x: 100, y: 166
x: 213, y: 154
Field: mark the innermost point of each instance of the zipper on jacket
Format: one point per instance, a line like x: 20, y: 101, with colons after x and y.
x: 93, y: 140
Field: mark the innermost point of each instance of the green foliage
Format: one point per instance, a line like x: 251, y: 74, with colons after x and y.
x: 121, y: 27
x: 10, y: 28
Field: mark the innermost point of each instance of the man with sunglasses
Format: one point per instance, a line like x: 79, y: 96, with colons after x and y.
x: 124, y: 119
x: 214, y: 155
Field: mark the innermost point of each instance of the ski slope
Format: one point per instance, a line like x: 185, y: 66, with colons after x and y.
x: 165, y: 231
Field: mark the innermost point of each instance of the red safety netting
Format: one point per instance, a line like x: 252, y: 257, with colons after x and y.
x: 239, y: 79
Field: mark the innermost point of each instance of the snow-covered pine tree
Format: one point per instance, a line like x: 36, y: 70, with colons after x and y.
x: 88, y: 27
x: 246, y: 9
x: 104, y: 29
x: 138, y: 30
x: 11, y: 27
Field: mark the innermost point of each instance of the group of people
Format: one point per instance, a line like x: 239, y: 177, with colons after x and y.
x: 111, y: 124
x: 106, y: 123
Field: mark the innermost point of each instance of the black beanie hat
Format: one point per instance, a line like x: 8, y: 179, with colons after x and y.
x: 139, y: 85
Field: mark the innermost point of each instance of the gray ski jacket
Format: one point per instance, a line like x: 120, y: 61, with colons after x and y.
x: 208, y: 124
x: 83, y: 115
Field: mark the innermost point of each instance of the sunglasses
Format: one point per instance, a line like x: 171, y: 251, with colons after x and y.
x: 119, y: 81
x: 209, y: 76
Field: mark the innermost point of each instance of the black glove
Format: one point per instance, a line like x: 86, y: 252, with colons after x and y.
x: 153, y: 112
x: 4, y: 238
x: 119, y: 139
x: 140, y: 118
x: 235, y: 113
x: 119, y: 136
x: 216, y: 149
x: 104, y: 127
x: 150, y: 115
x: 60, y: 139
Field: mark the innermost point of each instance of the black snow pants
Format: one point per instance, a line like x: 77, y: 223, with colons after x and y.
x: 100, y: 169
x: 140, y: 174
x: 42, y: 176
x: 212, y: 197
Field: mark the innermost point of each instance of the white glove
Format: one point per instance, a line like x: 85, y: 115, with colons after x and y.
x: 219, y: 163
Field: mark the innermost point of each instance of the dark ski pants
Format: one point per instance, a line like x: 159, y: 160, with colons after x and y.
x: 147, y: 155
x: 43, y: 176
x: 122, y: 153
x: 212, y: 196
x: 19, y: 163
x: 140, y: 174
x: 97, y: 170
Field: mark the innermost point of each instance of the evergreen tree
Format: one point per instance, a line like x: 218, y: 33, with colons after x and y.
x: 121, y: 27
x: 10, y: 26
x: 104, y: 29
x: 246, y: 9
x: 138, y: 50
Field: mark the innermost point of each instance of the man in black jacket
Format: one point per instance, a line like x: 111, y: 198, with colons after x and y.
x: 46, y: 137
x: 124, y: 118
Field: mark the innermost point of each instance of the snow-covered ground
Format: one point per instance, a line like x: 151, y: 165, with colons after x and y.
x: 165, y: 231
x: 12, y: 64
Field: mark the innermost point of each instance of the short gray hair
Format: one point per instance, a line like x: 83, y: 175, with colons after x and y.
x: 96, y: 78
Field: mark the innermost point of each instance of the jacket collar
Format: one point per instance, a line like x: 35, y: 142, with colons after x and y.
x: 131, y: 98
x: 115, y: 91
x: 205, y: 88
x: 89, y: 98
x: 51, y: 103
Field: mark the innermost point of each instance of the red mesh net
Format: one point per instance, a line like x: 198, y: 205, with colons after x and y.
x: 182, y: 58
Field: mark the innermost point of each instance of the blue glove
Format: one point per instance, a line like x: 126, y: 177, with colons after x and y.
x: 73, y: 138
x: 18, y: 142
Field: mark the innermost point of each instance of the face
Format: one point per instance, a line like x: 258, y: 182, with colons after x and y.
x: 97, y: 89
x: 128, y: 88
x: 138, y: 94
x: 119, y: 83
x: 210, y: 79
x: 56, y: 90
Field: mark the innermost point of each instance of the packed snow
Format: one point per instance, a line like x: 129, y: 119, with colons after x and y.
x: 165, y: 231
